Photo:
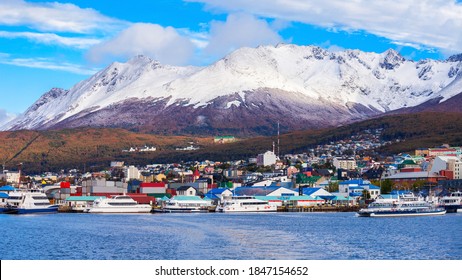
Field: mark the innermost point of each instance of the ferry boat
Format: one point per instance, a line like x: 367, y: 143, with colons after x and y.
x: 406, y: 205
x: 182, y: 203
x: 452, y: 202
x: 118, y: 204
x: 29, y: 201
x: 246, y: 204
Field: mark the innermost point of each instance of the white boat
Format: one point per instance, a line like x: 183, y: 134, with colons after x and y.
x: 182, y: 203
x: 29, y: 201
x: 452, y: 202
x: 118, y: 204
x: 406, y: 205
x: 246, y: 204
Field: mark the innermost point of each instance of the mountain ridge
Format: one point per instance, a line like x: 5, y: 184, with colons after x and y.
x: 246, y: 92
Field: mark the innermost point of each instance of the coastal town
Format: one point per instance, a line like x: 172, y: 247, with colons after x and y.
x: 339, y: 176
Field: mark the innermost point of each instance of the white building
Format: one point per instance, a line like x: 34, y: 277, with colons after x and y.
x: 131, y: 172
x: 452, y: 163
x: 344, y: 163
x: 266, y: 159
x: 456, y: 167
x: 11, y: 177
x: 186, y: 191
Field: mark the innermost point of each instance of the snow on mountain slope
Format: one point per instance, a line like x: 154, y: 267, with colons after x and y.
x: 342, y: 86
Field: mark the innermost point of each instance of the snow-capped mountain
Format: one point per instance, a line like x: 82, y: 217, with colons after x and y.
x: 247, y: 92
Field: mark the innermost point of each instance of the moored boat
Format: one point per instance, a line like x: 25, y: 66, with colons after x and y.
x: 182, y: 203
x: 30, y: 201
x: 118, y: 204
x: 406, y: 205
x: 246, y: 204
x: 452, y: 202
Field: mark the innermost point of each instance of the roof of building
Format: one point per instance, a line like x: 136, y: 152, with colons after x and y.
x: 409, y: 161
x: 255, y: 190
x: 289, y: 198
x: 186, y: 197
x: 316, y: 191
x: 211, y: 196
x: 355, y: 182
x: 183, y: 188
x: 411, y: 175
x: 7, y: 189
x: 217, y: 190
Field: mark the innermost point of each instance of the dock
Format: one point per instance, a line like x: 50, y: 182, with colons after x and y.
x: 322, y: 208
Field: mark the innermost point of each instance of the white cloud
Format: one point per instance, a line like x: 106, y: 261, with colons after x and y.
x: 46, y: 63
x: 52, y: 39
x: 161, y: 43
x: 430, y: 23
x: 5, y: 117
x: 56, y: 17
x: 239, y: 30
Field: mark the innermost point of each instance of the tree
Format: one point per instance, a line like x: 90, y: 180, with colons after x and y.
x: 417, y: 185
x: 333, y: 187
x: 386, y: 186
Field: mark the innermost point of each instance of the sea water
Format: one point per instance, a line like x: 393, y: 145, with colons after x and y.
x: 220, y: 236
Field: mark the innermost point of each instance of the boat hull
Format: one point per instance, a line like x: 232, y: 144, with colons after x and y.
x: 453, y: 208
x: 137, y: 210
x: 47, y: 210
x: 183, y: 210
x: 267, y: 208
x: 379, y: 214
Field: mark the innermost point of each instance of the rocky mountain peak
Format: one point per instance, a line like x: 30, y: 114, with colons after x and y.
x: 455, y: 58
x: 299, y: 82
x: 391, y: 59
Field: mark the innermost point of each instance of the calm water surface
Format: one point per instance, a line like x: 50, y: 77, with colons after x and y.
x: 254, y: 236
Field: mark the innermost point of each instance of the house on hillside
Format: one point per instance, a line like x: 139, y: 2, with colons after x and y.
x: 186, y: 191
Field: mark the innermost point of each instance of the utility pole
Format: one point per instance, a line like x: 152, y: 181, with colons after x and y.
x: 278, y: 141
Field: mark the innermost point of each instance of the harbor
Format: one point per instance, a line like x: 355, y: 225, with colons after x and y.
x: 228, y: 236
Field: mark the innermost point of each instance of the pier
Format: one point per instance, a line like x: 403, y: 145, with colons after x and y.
x: 322, y: 208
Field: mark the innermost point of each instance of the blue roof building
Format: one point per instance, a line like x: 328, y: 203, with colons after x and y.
x: 218, y: 193
x: 356, y: 187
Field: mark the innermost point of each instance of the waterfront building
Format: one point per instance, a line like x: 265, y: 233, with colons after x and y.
x: 318, y: 192
x: 356, y: 187
x: 219, y: 194
x: 186, y: 191
x: 153, y: 188
x: 408, y: 178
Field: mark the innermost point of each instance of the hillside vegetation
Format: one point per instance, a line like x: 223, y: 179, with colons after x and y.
x: 91, y: 149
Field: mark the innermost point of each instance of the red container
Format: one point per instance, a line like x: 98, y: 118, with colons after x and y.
x: 65, y: 185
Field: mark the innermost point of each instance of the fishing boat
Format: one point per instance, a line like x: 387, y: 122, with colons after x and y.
x: 452, y: 202
x: 117, y: 204
x: 407, y: 205
x: 246, y: 204
x: 29, y: 201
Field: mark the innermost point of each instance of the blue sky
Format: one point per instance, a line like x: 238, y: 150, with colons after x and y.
x: 57, y: 44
